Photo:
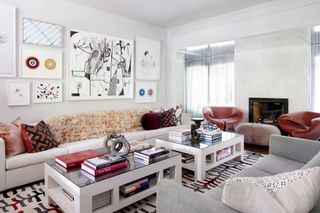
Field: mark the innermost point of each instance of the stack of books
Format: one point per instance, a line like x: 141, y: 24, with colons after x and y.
x: 134, y: 187
x: 224, y: 153
x: 101, y: 165
x: 180, y: 135
x: 73, y: 160
x: 186, y: 158
x: 150, y: 155
x: 210, y: 136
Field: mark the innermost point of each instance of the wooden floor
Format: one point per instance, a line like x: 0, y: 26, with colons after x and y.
x: 257, y: 149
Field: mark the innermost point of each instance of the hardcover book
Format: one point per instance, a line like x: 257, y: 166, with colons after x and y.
x: 75, y: 159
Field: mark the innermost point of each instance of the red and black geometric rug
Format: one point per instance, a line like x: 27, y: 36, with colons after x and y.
x: 29, y: 198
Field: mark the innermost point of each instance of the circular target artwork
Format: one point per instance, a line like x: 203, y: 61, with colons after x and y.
x: 150, y: 92
x: 50, y: 64
x: 32, y: 62
x: 142, y: 92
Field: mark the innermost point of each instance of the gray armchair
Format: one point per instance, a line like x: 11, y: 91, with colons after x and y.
x: 286, y: 154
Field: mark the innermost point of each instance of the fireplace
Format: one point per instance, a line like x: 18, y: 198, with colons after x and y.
x: 267, y: 110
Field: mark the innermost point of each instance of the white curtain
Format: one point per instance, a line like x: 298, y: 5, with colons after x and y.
x: 315, y: 47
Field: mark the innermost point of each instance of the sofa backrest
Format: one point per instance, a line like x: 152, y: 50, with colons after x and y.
x: 83, y: 126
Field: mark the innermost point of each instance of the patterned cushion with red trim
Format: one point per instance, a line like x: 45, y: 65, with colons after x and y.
x: 168, y: 118
x: 37, y: 138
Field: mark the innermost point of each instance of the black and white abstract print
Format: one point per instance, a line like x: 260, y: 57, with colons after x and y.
x: 101, y: 67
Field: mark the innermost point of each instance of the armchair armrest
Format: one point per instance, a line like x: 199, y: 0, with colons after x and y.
x: 173, y: 198
x: 312, y: 133
x: 2, y: 165
x: 297, y: 149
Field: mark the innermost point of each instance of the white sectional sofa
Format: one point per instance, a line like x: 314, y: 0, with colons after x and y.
x: 29, y: 167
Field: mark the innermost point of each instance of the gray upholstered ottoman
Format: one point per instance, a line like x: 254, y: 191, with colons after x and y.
x: 258, y: 134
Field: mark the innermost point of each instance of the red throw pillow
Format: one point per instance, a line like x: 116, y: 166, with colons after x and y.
x: 37, y: 138
x: 168, y: 118
x: 151, y: 120
x: 11, y: 135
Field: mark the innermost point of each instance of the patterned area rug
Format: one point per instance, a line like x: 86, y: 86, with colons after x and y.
x: 29, y: 199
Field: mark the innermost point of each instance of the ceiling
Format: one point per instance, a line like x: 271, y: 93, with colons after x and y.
x: 169, y: 13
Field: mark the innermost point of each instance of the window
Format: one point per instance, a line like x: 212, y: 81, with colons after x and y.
x: 208, y: 77
x: 315, y: 47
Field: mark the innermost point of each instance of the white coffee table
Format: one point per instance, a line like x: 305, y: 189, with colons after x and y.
x: 201, y: 150
x: 84, y: 192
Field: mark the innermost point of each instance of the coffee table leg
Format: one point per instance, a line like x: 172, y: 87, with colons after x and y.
x: 200, y: 163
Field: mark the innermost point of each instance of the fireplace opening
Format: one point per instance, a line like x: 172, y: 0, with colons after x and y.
x: 267, y: 110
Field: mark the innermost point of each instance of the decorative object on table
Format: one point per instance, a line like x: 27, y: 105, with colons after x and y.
x: 42, y: 33
x: 47, y: 92
x: 150, y: 155
x: 118, y: 144
x: 37, y: 138
x: 180, y: 135
x: 138, y: 145
x: 75, y: 159
x: 168, y: 118
x: 196, y: 123
x: 146, y: 91
x: 102, y: 65
x: 41, y: 63
x: 148, y: 58
x: 209, y: 132
x: 151, y: 121
x: 18, y: 93
x: 11, y: 134
x: 7, y: 41
x: 178, y: 113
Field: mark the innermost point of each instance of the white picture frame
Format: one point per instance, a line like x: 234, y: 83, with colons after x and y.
x: 18, y: 93
x: 96, y: 84
x: 148, y: 58
x: 40, y: 63
x: 42, y: 33
x: 47, y: 92
x: 8, y: 41
x: 146, y: 92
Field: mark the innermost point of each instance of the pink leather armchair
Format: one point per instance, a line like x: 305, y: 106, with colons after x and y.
x: 223, y: 117
x: 304, y: 124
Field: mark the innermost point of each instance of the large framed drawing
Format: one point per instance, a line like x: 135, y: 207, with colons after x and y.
x: 7, y: 41
x: 42, y: 33
x: 41, y: 63
x: 146, y: 91
x: 148, y: 58
x: 101, y: 67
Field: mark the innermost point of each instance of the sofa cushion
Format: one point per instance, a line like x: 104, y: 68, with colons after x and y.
x: 11, y: 135
x: 28, y: 159
x: 293, y: 192
x: 134, y: 136
x: 37, y: 138
x: 314, y: 162
x: 151, y: 120
x: 274, y: 164
x: 168, y: 118
x: 95, y: 143
x: 160, y: 132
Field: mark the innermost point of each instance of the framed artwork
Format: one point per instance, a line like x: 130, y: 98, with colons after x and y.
x: 146, y: 91
x: 7, y: 41
x: 148, y: 54
x: 42, y: 33
x: 101, y: 67
x: 47, y: 92
x: 41, y: 63
x: 18, y: 93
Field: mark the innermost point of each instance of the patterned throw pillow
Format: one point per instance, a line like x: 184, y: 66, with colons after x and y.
x: 293, y: 192
x: 168, y: 118
x: 37, y: 138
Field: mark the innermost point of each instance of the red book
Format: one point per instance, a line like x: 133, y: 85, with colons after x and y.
x: 75, y: 159
x: 96, y: 172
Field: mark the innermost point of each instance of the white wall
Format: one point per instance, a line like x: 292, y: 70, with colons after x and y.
x: 270, y: 17
x: 275, y: 65
x: 78, y: 17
